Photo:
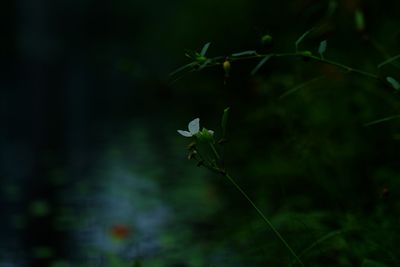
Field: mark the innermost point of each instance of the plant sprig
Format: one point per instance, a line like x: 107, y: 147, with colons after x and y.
x: 204, y: 142
x: 200, y: 62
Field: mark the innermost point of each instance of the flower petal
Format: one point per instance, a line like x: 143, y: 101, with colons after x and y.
x: 194, y: 126
x: 185, y: 133
x: 211, y: 132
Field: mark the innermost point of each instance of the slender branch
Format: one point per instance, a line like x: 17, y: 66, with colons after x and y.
x: 346, y: 68
x: 321, y: 240
x: 381, y: 120
x: 218, y: 170
x: 305, y: 54
x: 268, y: 222
x: 215, y: 151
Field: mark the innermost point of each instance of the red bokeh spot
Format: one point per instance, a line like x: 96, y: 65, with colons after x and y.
x: 119, y: 231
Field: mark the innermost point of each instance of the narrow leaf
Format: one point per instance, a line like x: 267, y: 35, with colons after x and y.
x: 300, y: 86
x: 381, y: 120
x: 302, y: 38
x: 332, y: 7
x: 322, y: 47
x: 261, y: 63
x: 191, y: 54
x: 202, y: 66
x: 224, y: 121
x: 393, y: 82
x: 359, y: 20
x: 245, y: 53
x: 321, y: 240
x: 204, y: 49
x: 389, y: 61
x: 185, y: 67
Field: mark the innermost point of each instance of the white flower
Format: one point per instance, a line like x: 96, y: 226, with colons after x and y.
x: 194, y: 128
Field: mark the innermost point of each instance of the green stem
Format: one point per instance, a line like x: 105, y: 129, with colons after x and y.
x: 215, y: 151
x: 301, y: 54
x: 204, y: 161
x: 268, y: 222
x: 320, y: 240
x: 344, y: 67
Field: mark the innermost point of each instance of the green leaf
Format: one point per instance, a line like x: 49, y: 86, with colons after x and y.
x: 372, y: 263
x: 302, y: 38
x: 245, y: 53
x: 191, y: 54
x: 389, y: 61
x: 224, y: 121
x: 332, y: 7
x: 322, y: 47
x: 204, y: 49
x: 321, y: 240
x: 187, y: 67
x: 359, y: 20
x: 205, y: 64
x: 395, y: 84
x: 261, y: 63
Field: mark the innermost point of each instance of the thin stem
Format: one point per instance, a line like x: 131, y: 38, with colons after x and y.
x: 320, y: 240
x: 344, y: 67
x: 215, y: 151
x: 204, y: 161
x: 381, y: 120
x: 268, y: 222
x: 217, y: 61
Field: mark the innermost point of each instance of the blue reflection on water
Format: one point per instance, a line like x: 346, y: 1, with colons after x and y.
x: 123, y: 198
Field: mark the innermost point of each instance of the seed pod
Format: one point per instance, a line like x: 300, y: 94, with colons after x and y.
x: 227, y: 67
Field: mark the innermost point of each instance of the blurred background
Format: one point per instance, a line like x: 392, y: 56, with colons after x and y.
x: 93, y: 172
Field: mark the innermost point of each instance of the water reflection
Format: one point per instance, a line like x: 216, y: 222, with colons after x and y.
x: 125, y: 217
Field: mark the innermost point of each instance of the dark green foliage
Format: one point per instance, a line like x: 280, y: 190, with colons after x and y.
x: 314, y: 152
x: 305, y: 162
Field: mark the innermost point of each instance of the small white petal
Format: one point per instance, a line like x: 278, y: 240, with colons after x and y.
x: 194, y: 126
x: 185, y: 133
x: 211, y: 132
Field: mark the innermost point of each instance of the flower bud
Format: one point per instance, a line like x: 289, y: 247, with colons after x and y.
x: 227, y: 66
x: 206, y: 135
x: 266, y: 39
x: 306, y: 55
